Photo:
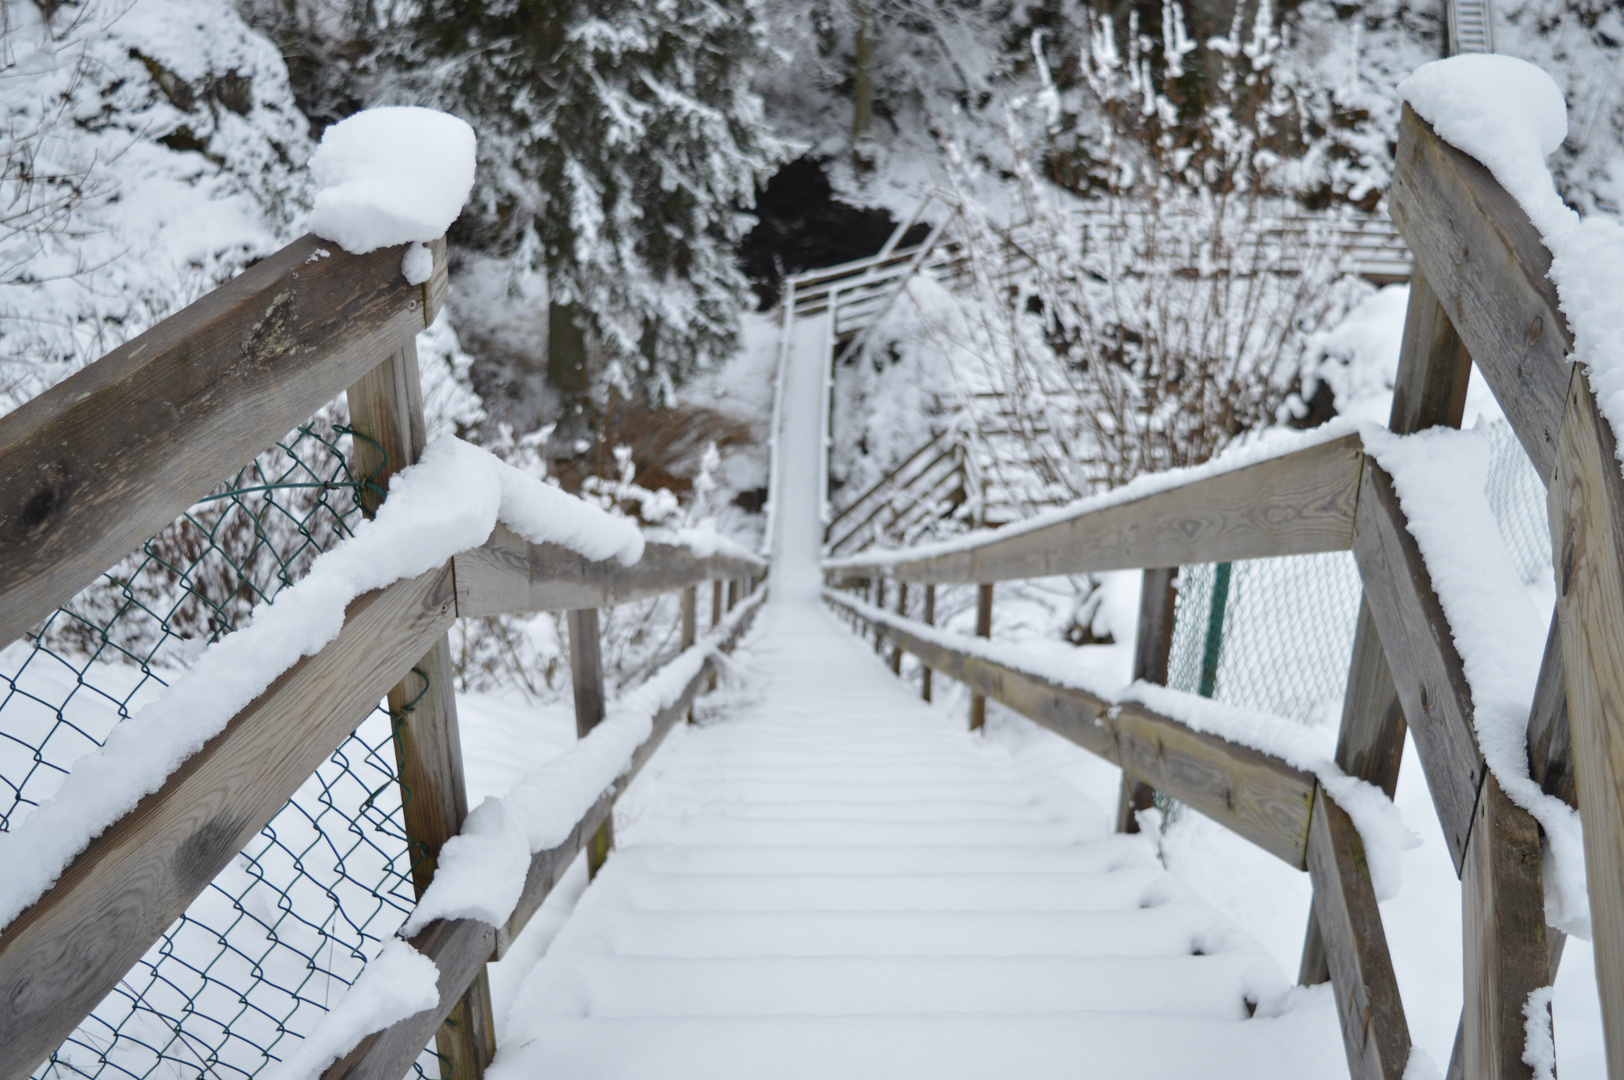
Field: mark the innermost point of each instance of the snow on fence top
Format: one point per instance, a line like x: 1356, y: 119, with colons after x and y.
x: 446, y: 504
x: 392, y: 176
x: 1510, y: 116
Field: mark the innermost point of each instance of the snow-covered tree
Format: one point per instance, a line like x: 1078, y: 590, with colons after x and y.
x: 620, y: 144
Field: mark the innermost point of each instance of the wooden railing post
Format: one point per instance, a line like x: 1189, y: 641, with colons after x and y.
x: 690, y: 625
x: 930, y: 620
x: 978, y: 704
x: 586, y: 679
x: 386, y: 413
x: 879, y: 602
x: 1153, y: 644
x: 732, y: 593
x: 902, y: 611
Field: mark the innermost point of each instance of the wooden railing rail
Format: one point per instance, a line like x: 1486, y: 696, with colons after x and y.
x: 92, y: 468
x: 1480, y: 294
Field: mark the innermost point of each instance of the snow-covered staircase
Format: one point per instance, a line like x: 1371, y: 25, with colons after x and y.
x: 836, y: 880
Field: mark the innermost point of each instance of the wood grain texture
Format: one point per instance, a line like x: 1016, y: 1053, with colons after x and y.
x: 1152, y: 647
x: 1256, y: 795
x: 65, y: 953
x: 386, y: 415
x: 1550, y: 740
x: 978, y: 702
x: 1374, y: 1031
x: 1488, y: 266
x: 929, y: 620
x: 105, y: 459
x: 509, y: 575
x: 1252, y: 793
x: 1421, y: 656
x: 1587, y: 533
x: 1429, y: 390
x: 1296, y: 504
x: 1503, y: 920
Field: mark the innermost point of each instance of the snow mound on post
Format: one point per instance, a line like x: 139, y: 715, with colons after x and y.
x: 392, y: 176
x: 1509, y: 115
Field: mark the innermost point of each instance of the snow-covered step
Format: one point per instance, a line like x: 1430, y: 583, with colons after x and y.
x: 714, y: 830
x: 923, y: 810
x: 889, y: 859
x: 961, y: 1046
x: 1212, y: 986
x: 1181, y: 928
x: 1118, y: 891
x: 869, y: 791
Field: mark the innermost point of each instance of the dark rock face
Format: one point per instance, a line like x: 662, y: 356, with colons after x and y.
x: 803, y: 226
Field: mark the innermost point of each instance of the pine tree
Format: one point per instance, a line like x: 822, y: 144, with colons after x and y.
x: 619, y: 144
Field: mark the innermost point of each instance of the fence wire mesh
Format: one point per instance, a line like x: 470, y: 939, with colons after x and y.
x: 1282, y: 638
x: 235, y: 983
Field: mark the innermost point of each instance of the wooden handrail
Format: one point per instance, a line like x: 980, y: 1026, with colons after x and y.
x: 106, y: 458
x: 460, y: 947
x: 509, y: 575
x: 1296, y: 504
x: 1253, y: 793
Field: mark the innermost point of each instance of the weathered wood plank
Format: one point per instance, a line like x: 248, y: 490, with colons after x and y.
x: 1503, y: 920
x: 1489, y: 267
x: 1550, y: 741
x: 112, y: 454
x: 586, y: 679
x: 65, y: 953
x: 1429, y: 390
x: 1421, y: 656
x: 1374, y: 1031
x: 511, y: 576
x: 1587, y: 533
x: 1296, y: 504
x: 929, y: 620
x: 386, y: 412
x: 978, y: 702
x: 1258, y: 796
x: 1152, y: 646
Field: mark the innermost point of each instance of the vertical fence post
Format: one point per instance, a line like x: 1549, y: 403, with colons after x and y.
x: 716, y: 620
x: 930, y: 620
x: 386, y: 415
x: 902, y: 612
x: 586, y: 678
x: 732, y: 592
x: 879, y: 602
x: 690, y: 625
x: 978, y: 704
x: 1153, y: 644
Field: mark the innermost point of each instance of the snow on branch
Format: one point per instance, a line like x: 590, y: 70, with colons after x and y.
x: 391, y: 176
x: 446, y: 504
x: 1510, y: 115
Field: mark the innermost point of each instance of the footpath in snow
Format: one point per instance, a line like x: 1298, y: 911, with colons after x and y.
x: 835, y: 879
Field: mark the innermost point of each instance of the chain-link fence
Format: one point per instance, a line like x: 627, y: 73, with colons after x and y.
x: 1277, y: 634
x: 274, y: 941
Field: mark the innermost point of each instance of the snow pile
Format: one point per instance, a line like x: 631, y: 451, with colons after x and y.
x: 1420, y: 1066
x: 391, y: 176
x: 1373, y: 814
x: 448, y: 503
x: 481, y: 870
x: 397, y: 983
x: 1510, y: 116
x: 1264, y: 446
x: 1440, y: 475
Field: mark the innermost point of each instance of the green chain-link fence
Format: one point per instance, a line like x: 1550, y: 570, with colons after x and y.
x: 274, y: 941
x: 1282, y: 638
